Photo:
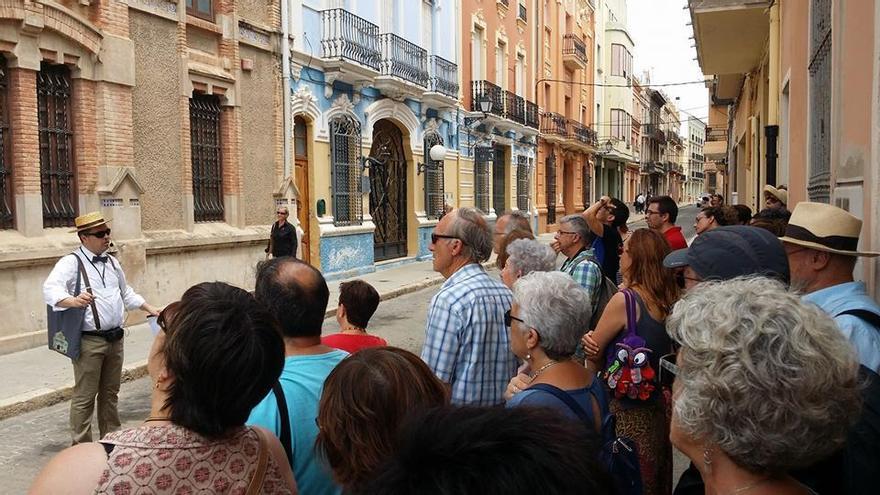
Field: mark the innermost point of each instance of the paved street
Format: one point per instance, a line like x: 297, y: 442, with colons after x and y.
x: 28, y: 441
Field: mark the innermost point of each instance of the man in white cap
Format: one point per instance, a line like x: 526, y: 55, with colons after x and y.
x: 98, y: 369
x: 821, y: 242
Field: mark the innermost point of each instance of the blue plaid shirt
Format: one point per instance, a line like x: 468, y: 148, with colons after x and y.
x: 584, y: 270
x: 466, y: 342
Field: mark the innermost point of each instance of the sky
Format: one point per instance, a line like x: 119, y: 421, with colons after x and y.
x: 661, y: 32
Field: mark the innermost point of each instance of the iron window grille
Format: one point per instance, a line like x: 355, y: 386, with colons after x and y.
x: 499, y: 181
x: 345, y: 152
x: 57, y: 174
x: 550, y: 175
x: 434, y: 192
x: 522, y: 183
x: 483, y: 156
x: 7, y: 213
x: 207, y: 168
x: 203, y: 9
x: 819, y: 184
x: 585, y: 185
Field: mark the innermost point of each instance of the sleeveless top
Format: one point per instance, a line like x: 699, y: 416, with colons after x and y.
x: 654, y: 333
x: 173, y: 459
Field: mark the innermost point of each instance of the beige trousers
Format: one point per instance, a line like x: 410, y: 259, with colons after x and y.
x: 97, y: 372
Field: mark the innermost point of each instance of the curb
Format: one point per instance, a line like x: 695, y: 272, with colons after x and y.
x: 42, y: 398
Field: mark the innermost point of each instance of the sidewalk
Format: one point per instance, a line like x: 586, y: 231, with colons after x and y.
x: 37, y: 378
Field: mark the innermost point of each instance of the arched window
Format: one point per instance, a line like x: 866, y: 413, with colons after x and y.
x: 345, y: 154
x: 434, y: 199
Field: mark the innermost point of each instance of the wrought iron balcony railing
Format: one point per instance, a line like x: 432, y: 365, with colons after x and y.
x: 482, y: 90
x: 514, y: 107
x: 574, y: 47
x: 582, y: 133
x: 444, y: 76
x: 347, y: 36
x: 554, y: 124
x: 404, y: 59
x: 532, y: 119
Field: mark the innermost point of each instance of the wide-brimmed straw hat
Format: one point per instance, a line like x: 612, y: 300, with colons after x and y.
x: 89, y: 220
x: 781, y: 194
x: 824, y: 227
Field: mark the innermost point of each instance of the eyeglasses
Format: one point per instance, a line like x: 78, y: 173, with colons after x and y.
x: 508, y: 319
x: 561, y: 232
x: 436, y: 237
x: 282, y: 213
x: 100, y: 234
x: 680, y: 279
x: 651, y: 212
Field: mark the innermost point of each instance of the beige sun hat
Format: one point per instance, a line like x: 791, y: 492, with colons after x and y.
x: 824, y: 227
x: 89, y: 220
x: 779, y: 193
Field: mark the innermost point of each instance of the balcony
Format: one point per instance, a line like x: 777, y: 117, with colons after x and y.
x: 509, y: 111
x: 652, y: 167
x: 574, y: 52
x: 514, y: 107
x: 485, y: 90
x: 347, y: 37
x: 582, y: 133
x: 730, y: 37
x: 554, y: 125
x: 444, y: 77
x: 404, y: 60
x: 532, y: 119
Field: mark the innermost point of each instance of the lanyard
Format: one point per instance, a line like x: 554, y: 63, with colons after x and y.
x: 101, y: 273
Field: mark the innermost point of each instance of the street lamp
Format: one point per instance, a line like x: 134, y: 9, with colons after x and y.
x: 485, y: 104
x: 609, y: 147
x: 437, y: 154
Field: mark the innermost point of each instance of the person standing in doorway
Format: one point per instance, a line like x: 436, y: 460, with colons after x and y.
x: 282, y: 238
x: 97, y: 371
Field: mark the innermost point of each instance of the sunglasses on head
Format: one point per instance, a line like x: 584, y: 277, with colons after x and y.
x: 100, y: 234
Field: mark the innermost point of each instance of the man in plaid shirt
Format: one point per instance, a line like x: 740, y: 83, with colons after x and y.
x: 467, y: 344
x: 573, y: 240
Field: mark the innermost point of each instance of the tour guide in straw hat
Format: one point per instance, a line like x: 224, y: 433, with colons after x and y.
x: 821, y: 242
x: 98, y: 369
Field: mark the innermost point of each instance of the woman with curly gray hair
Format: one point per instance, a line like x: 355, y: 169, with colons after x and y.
x: 765, y: 384
x: 525, y: 256
x: 546, y: 320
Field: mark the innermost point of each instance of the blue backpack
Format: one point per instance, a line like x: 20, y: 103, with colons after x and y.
x: 619, y: 455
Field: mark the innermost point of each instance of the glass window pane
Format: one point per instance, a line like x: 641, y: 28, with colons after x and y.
x: 204, y: 6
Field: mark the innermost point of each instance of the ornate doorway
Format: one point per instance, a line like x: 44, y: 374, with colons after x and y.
x: 388, y: 192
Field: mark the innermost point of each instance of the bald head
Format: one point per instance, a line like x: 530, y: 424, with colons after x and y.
x: 295, y: 292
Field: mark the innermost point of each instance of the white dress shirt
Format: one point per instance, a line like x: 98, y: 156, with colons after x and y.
x: 112, y: 295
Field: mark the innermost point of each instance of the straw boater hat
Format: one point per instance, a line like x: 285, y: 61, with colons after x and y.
x: 89, y: 220
x: 824, y: 227
x: 781, y: 194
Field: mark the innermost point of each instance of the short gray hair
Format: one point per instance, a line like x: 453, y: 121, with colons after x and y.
x: 578, y: 225
x: 471, y: 229
x: 519, y: 220
x: 557, y: 307
x: 528, y: 255
x: 763, y: 376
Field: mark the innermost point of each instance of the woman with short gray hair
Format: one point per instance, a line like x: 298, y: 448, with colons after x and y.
x: 525, y: 256
x: 546, y: 320
x: 765, y: 383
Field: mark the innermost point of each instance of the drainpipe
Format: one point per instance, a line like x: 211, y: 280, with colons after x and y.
x: 771, y: 130
x: 285, y: 84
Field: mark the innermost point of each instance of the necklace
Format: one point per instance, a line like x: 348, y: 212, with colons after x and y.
x: 157, y: 418
x: 748, y: 487
x: 542, y: 368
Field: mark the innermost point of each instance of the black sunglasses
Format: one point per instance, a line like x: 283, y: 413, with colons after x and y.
x: 680, y: 279
x: 100, y: 234
x: 508, y: 319
x: 436, y: 237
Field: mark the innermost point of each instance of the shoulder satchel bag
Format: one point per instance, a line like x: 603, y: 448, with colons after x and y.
x: 255, y: 487
x: 65, y: 327
x: 285, y: 421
